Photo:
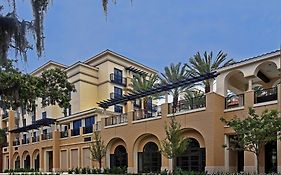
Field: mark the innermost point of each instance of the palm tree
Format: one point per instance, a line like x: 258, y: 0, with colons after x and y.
x: 172, y: 74
x: 144, y: 83
x: 3, y: 140
x: 199, y: 65
x: 194, y: 98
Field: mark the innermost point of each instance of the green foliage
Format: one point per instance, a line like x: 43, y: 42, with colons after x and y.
x: 22, y: 90
x: 199, y: 65
x: 97, y: 148
x: 174, y: 143
x: 194, y: 98
x: 174, y: 73
x: 254, y: 131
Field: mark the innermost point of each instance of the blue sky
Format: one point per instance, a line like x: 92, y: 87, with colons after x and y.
x: 158, y: 32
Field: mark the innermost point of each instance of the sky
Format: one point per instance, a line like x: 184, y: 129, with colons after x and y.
x: 157, y: 32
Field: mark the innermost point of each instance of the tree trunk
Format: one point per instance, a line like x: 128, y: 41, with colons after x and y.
x: 1, y: 159
x: 175, y: 103
x: 100, y: 164
x: 207, y: 88
x: 258, y: 163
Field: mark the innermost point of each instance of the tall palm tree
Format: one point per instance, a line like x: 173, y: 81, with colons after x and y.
x: 144, y: 83
x: 199, y: 65
x: 194, y: 98
x: 172, y: 74
x: 3, y: 140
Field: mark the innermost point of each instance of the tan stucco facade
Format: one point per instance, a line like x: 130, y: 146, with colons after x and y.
x: 62, y: 150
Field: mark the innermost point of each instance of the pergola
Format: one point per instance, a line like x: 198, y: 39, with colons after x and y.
x: 158, y: 89
x: 35, y: 125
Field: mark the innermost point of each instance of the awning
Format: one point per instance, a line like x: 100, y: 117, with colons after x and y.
x: 36, y: 125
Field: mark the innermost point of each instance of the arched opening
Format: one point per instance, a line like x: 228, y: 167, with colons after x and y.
x: 36, y: 160
x: 236, y: 85
x: 119, y: 158
x: 149, y: 161
x: 267, y: 75
x: 26, y: 160
x: 193, y: 158
x: 17, y: 162
x: 270, y: 150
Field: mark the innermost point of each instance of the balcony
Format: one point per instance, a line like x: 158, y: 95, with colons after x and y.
x: 35, y: 139
x: 75, y: 132
x: 64, y: 134
x: 87, y: 129
x: 116, y: 79
x: 145, y: 114
x: 187, y: 105
x: 47, y: 136
x: 5, y: 115
x: 115, y: 95
x: 25, y: 141
x: 265, y: 95
x: 234, y: 101
x: 116, y: 119
x: 16, y: 143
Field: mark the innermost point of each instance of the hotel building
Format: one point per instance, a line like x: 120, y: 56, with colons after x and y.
x: 52, y: 139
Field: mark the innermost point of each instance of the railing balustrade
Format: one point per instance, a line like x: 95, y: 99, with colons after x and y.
x: 87, y: 130
x: 64, y: 134
x: 47, y: 136
x: 75, y: 132
x: 186, y: 105
x: 234, y: 101
x: 144, y: 114
x: 35, y: 139
x: 265, y: 95
x: 116, y: 119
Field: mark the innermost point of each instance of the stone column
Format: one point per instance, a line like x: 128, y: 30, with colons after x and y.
x: 226, y: 153
x: 42, y: 160
x: 56, y: 151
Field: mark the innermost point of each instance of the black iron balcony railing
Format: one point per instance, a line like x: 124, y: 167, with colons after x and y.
x: 234, y: 101
x: 186, y: 105
x: 6, y: 144
x: 265, y: 95
x: 16, y: 143
x: 35, y: 139
x: 47, y: 136
x: 25, y: 141
x: 117, y: 79
x: 75, y: 132
x: 144, y: 114
x: 116, y: 119
x: 5, y: 115
x: 115, y: 95
x: 87, y: 129
x: 64, y: 134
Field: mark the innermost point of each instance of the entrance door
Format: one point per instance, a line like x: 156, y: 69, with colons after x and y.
x: 119, y: 158
x: 36, y: 163
x: 270, y: 152
x: 149, y: 161
x: 193, y: 159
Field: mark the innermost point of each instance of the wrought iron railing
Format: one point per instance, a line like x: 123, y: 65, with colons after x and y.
x: 144, y: 114
x: 186, y: 105
x: 116, y: 119
x: 35, y: 139
x: 16, y: 142
x: 47, y: 136
x: 25, y: 141
x: 87, y: 129
x: 75, y: 132
x: 117, y: 79
x: 234, y: 101
x: 64, y: 134
x: 265, y: 95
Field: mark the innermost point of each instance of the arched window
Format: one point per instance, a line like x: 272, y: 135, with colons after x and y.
x: 149, y: 161
x: 193, y: 159
x: 119, y: 158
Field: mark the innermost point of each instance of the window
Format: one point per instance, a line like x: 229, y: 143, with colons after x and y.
x: 33, y: 119
x: 76, y: 127
x: 89, y: 121
x: 117, y: 92
x: 118, y: 75
x: 24, y: 122
x: 118, y: 109
x: 44, y: 115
